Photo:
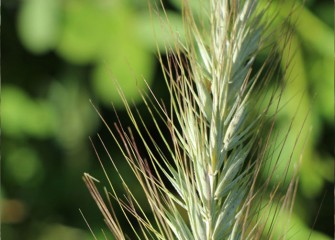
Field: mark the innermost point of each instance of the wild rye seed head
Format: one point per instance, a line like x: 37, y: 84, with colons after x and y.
x: 213, y: 128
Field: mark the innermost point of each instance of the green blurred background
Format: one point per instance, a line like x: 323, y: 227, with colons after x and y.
x: 58, y: 54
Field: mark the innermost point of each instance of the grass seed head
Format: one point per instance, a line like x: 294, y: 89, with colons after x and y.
x: 215, y: 120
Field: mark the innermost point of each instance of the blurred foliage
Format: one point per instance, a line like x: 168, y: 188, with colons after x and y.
x: 300, y: 107
x: 101, y: 33
x: 59, y: 54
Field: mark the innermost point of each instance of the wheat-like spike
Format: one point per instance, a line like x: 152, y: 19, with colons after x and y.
x: 215, y: 125
x: 216, y: 133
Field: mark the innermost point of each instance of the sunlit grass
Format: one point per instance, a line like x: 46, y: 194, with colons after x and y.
x: 203, y: 182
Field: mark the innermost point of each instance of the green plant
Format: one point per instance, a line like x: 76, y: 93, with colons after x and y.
x: 218, y: 143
